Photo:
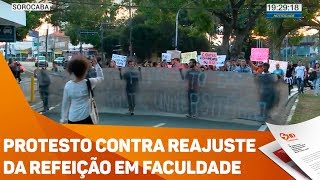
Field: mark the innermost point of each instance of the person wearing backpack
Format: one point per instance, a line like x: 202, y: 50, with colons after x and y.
x: 44, y: 83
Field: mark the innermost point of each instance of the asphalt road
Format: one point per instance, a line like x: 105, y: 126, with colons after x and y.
x: 162, y: 121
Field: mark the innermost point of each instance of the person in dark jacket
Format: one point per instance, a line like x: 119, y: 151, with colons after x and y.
x: 132, y: 79
x: 44, y: 83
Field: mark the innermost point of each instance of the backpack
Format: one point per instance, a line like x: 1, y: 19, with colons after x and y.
x: 313, y: 76
x: 44, y: 79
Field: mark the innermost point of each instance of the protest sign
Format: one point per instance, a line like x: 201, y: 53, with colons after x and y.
x: 259, y: 54
x: 198, y: 58
x: 174, y: 54
x: 220, y: 60
x: 120, y: 60
x: 273, y: 63
x: 208, y: 58
x: 166, y: 57
x: 185, y: 57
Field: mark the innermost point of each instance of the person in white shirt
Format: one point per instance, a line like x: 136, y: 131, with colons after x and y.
x: 75, y: 103
x: 300, y: 73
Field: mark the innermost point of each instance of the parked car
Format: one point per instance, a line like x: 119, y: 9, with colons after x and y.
x: 41, y: 62
x: 59, y: 61
x: 30, y: 59
x: 65, y: 63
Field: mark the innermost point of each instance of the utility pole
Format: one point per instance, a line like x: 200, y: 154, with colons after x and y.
x: 319, y: 42
x: 130, y: 46
x: 102, y: 29
x: 287, y: 48
x: 177, y: 24
x: 47, y: 43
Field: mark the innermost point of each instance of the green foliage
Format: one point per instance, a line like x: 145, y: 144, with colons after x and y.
x: 295, y: 38
x: 77, y: 17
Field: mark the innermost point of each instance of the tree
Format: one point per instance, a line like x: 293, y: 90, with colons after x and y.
x: 76, y: 17
x: 278, y: 29
x: 238, y: 19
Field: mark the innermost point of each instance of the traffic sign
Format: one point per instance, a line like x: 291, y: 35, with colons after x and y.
x: 34, y: 34
x: 36, y: 44
x: 7, y: 33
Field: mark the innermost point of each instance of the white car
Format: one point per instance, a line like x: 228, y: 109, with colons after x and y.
x: 59, y: 61
x: 41, y: 62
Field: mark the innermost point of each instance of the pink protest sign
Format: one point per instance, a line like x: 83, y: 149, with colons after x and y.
x: 259, y: 54
x: 208, y: 58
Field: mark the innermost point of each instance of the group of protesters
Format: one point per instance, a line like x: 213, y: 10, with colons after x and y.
x: 298, y: 74
x: 84, y: 71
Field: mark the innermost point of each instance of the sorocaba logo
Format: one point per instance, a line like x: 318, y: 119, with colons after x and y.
x: 288, y: 137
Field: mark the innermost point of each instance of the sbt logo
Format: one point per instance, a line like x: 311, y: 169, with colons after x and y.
x: 288, y: 137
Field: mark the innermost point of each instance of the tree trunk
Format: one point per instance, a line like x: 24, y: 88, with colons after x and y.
x: 238, y: 43
x: 276, y: 49
x: 224, y: 48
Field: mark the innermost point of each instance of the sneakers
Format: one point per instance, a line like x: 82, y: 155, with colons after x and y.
x: 130, y: 113
x: 191, y: 116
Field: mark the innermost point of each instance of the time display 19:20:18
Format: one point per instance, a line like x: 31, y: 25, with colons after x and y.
x: 284, y: 7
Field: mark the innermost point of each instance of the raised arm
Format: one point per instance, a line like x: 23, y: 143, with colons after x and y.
x: 99, y: 78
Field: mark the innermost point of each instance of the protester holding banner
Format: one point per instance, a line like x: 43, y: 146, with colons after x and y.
x: 278, y: 71
x: 112, y: 64
x: 233, y: 65
x: 75, y: 103
x: 243, y: 68
x: 176, y: 63
x: 194, y: 77
x: 258, y: 68
x: 132, y: 79
x: 268, y: 93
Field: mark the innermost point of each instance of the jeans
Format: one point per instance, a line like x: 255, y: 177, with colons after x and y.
x: 192, y: 102
x: 131, y: 100
x: 300, y: 85
x: 44, y: 94
x: 316, y: 86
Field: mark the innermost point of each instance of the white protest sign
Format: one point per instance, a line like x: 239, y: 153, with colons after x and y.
x: 166, y: 57
x: 198, y: 58
x: 120, y: 60
x: 220, y: 60
x: 185, y: 57
x: 273, y: 63
x: 174, y: 54
x: 208, y: 58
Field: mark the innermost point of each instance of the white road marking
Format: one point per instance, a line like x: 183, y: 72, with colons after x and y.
x: 293, y: 109
x: 35, y: 105
x: 159, y: 125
